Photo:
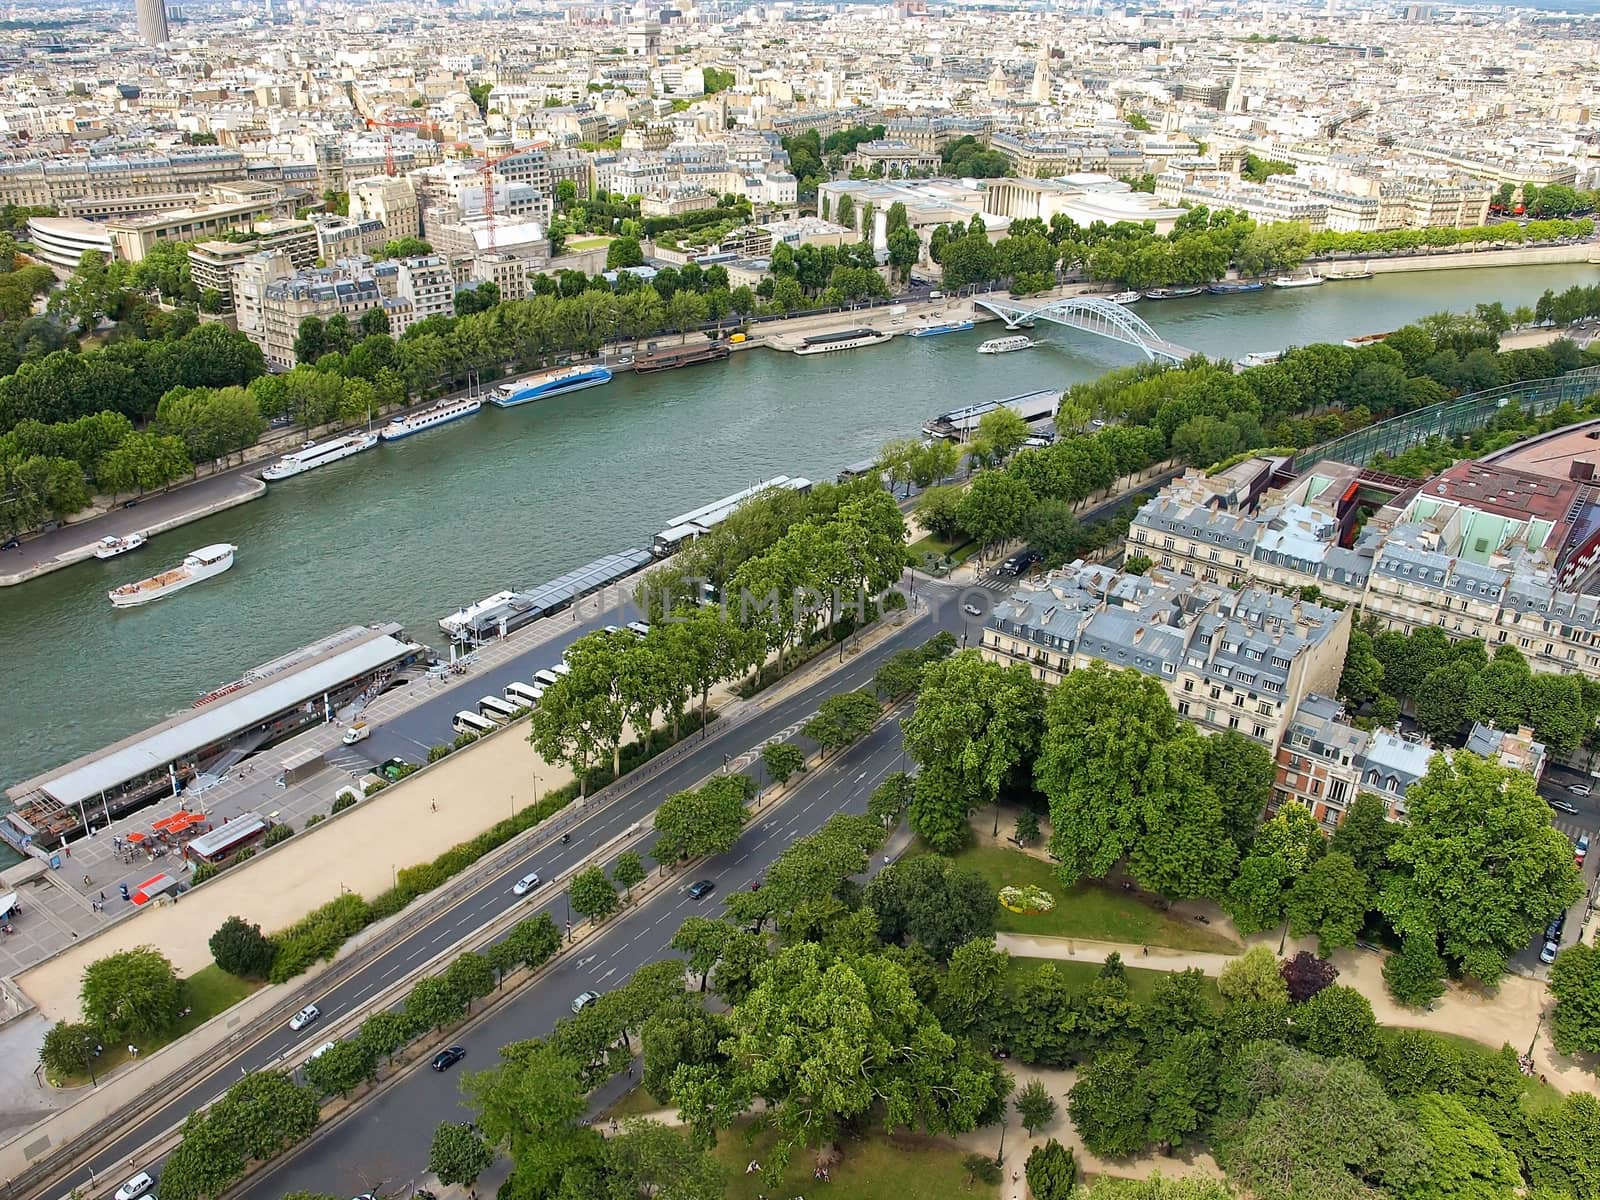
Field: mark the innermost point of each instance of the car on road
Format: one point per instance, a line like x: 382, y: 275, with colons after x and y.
x: 639, y: 627
x: 702, y: 888
x: 1548, y: 954
x: 526, y: 884
x: 1020, y: 562
x: 304, y: 1017
x: 359, y: 732
x: 139, y: 1185
x: 1581, y: 850
x: 1562, y: 806
x: 448, y: 1058
x: 1552, y: 931
x: 583, y: 1000
x: 393, y: 769
x: 972, y: 610
x: 1580, y: 789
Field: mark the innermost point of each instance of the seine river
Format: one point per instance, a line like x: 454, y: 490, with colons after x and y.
x: 413, y: 530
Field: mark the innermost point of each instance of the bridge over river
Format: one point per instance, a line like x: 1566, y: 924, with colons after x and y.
x: 1089, y: 314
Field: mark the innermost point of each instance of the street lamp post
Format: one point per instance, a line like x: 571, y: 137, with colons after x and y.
x: 94, y: 1080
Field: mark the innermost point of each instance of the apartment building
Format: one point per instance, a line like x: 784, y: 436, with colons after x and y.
x: 1241, y: 660
x: 931, y: 134
x: 55, y: 181
x: 348, y: 237
x: 1482, y: 550
x: 425, y: 287
x: 389, y: 200
x: 1041, y: 154
x: 212, y: 263
x: 271, y: 298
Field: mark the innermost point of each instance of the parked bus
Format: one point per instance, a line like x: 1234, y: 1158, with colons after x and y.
x: 471, y: 722
x: 497, y: 709
x: 523, y: 695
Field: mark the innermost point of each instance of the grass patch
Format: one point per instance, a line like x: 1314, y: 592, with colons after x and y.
x: 930, y: 553
x: 1080, y: 972
x: 1087, y: 909
x: 206, y: 993
x: 870, y: 1168
x: 635, y: 1103
x: 587, y: 243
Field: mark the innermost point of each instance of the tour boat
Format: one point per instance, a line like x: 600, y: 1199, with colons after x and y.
x: 1173, y: 293
x: 201, y: 564
x: 111, y: 547
x: 318, y: 454
x: 844, y: 339
x: 1125, y: 297
x: 941, y: 327
x: 551, y: 383
x: 1005, y: 345
x: 441, y: 413
x: 1296, y: 281
x: 1258, y: 358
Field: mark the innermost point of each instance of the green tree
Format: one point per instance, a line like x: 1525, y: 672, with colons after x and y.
x: 702, y: 939
x: 975, y: 725
x: 1575, y: 983
x: 1052, y: 1171
x: 1336, y: 1022
x: 593, y: 895
x: 1109, y: 1106
x: 346, y: 1066
x: 433, y: 1003
x: 458, y: 1154
x: 1035, y: 1106
x: 651, y: 1159
x: 1558, y: 1149
x: 1004, y: 430
x: 1330, y: 899
x: 939, y: 509
x: 1253, y: 978
x: 1441, y: 704
x: 933, y: 902
x: 386, y: 1033
x: 1366, y: 834
x: 1464, y: 1157
x: 782, y: 760
x: 471, y: 976
x: 1293, y: 1127
x: 624, y: 252
x: 628, y: 870
x: 1415, y: 974
x: 69, y: 1048
x: 890, y: 798
x: 1125, y: 780
x: 1283, y: 850
x: 842, y: 719
x: 1478, y: 865
x: 706, y: 821
x: 242, y: 949
x: 995, y: 507
x: 133, y: 993
x: 1052, y: 530
x: 529, y: 1105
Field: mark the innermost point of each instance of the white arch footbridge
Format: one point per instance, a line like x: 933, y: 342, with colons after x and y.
x: 1090, y: 314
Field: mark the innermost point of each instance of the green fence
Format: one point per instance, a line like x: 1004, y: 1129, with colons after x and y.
x: 1451, y: 418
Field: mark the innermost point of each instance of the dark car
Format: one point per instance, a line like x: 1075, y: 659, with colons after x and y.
x: 702, y: 888
x: 446, y: 1059
x: 1562, y: 806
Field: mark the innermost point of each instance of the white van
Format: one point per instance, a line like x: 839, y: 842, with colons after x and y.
x: 319, y: 1052
x: 546, y: 678
x: 359, y: 732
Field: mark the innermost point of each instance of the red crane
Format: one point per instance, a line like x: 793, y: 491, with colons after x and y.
x: 388, y: 127
x: 487, y: 169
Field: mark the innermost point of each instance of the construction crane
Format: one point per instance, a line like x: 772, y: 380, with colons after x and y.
x: 388, y: 127
x: 487, y: 170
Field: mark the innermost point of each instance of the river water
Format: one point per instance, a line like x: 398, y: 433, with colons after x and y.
x: 413, y: 530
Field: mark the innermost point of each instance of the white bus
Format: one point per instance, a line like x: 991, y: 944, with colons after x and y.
x: 524, y: 695
x: 496, y: 709
x: 471, y: 722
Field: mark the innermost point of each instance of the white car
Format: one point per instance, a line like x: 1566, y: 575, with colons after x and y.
x: 135, y: 1187
x: 526, y: 884
x: 583, y: 1000
x: 304, y: 1017
x: 639, y: 627
x: 1548, y: 954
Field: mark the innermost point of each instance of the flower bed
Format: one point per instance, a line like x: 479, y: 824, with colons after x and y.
x: 1027, y: 900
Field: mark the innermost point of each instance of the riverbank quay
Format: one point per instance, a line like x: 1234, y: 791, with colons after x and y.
x: 775, y: 714
x: 1457, y: 260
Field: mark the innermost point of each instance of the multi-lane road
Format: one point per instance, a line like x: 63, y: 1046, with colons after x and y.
x: 384, y: 1147
x: 550, y: 857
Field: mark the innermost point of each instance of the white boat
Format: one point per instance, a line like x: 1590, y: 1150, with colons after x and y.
x: 1345, y: 276
x: 1125, y: 297
x: 441, y: 413
x: 201, y: 564
x: 458, y: 623
x: 551, y: 383
x: 844, y: 339
x: 1294, y: 281
x: 1258, y: 358
x: 111, y: 547
x: 319, y: 454
x: 1005, y: 345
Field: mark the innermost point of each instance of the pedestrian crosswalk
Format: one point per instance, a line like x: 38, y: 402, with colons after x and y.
x: 1574, y: 827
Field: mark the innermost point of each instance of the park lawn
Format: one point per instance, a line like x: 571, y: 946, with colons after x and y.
x: 635, y: 1102
x: 1080, y: 972
x: 588, y: 243
x: 206, y: 993
x: 1087, y: 909
x: 908, y: 1166
x: 958, y: 551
